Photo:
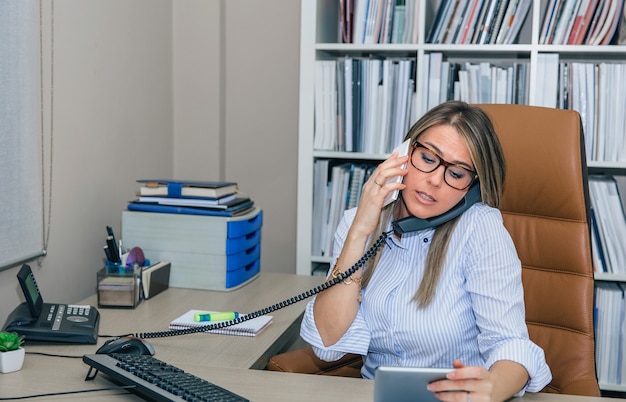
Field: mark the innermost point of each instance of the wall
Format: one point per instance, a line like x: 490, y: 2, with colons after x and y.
x: 262, y: 50
x: 163, y: 88
x: 237, y: 79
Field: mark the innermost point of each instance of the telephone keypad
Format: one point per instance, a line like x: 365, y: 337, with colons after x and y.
x: 51, y: 313
x: 73, y: 309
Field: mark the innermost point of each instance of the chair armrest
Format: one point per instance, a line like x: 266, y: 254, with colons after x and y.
x: 303, y: 360
x: 582, y: 387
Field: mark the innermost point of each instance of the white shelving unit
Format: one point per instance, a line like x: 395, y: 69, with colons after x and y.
x: 319, y: 40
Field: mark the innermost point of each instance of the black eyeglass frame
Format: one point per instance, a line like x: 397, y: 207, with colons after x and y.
x: 446, y: 164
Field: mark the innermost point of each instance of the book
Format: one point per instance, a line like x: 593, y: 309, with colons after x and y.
x: 251, y: 327
x: 621, y: 40
x: 561, y: 32
x: 498, y: 21
x: 612, y: 23
x: 597, y: 22
x: 518, y: 19
x: 469, y: 23
x: 186, y: 188
x: 155, y: 279
x: 455, y: 23
x: 220, y: 203
x: 488, y: 22
x: 552, y: 22
x: 434, y: 81
x: 188, y: 201
x: 548, y: 21
x: 234, y: 210
x: 507, y: 21
x: 580, y: 25
x: 437, y: 22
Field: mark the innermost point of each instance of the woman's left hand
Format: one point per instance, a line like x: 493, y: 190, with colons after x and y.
x: 466, y: 383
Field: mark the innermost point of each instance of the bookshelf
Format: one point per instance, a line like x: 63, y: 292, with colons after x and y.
x: 320, y: 40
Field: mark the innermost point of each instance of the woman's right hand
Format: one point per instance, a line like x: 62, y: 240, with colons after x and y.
x: 374, y: 191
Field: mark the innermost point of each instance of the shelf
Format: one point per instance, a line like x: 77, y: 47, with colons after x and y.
x: 613, y: 387
x: 349, y: 155
x: 606, y: 168
x: 604, y: 276
x: 319, y: 41
x: 320, y: 259
x: 583, y: 49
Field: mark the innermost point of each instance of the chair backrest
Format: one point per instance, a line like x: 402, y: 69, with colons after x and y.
x: 546, y: 210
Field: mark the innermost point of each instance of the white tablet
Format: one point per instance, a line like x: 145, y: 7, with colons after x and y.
x: 401, y: 384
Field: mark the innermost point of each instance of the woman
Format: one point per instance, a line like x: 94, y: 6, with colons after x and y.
x: 449, y: 296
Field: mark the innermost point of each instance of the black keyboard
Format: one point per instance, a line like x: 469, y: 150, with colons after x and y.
x: 157, y: 380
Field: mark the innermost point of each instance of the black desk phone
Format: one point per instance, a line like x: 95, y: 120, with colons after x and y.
x: 39, y: 321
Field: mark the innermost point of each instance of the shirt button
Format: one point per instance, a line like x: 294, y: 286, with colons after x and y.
x: 425, y: 240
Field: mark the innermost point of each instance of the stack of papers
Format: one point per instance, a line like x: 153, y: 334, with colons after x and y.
x: 247, y: 328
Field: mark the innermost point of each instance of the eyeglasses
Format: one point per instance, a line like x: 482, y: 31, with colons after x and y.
x: 455, y: 176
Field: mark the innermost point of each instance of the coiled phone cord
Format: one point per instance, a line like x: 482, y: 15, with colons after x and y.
x: 287, y: 302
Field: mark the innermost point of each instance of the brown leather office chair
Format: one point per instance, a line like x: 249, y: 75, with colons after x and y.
x: 546, y: 210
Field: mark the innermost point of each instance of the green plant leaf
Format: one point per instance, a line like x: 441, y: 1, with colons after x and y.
x: 10, y: 341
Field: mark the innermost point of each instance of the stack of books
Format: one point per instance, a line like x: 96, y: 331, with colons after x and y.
x: 216, y: 198
x: 479, y: 21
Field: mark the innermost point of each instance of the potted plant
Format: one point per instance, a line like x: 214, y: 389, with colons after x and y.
x: 11, y: 352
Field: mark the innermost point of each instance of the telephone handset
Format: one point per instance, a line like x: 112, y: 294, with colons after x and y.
x: 403, y: 150
x: 403, y: 225
x: 412, y: 223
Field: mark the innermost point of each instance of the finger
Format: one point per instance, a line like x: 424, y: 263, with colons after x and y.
x: 461, y: 396
x: 382, y: 174
x: 394, y: 159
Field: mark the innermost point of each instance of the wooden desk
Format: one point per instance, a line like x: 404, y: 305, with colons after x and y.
x: 224, y: 360
x: 202, y: 348
x: 43, y: 374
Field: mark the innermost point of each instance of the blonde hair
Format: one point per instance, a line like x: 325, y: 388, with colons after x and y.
x: 476, y: 130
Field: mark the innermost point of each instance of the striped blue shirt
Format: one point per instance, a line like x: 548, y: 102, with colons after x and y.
x: 477, y: 314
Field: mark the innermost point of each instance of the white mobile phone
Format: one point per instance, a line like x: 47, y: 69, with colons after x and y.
x: 402, y: 149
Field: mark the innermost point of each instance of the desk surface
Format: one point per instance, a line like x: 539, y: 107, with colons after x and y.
x: 222, y: 359
x: 43, y: 374
x: 201, y: 348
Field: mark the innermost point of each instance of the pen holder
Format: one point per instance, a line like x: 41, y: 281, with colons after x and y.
x: 119, y: 286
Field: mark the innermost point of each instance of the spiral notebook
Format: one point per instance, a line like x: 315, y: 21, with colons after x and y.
x: 251, y: 327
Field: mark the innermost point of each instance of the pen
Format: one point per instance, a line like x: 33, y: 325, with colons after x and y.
x: 107, y: 252
x: 111, y: 246
x: 224, y: 316
x: 114, y: 248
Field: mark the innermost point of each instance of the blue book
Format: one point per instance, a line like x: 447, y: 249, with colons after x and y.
x: 173, y: 209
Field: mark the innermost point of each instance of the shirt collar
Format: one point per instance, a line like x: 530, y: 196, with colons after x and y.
x: 423, y: 237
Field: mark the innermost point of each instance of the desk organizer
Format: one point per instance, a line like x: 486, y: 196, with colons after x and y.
x: 206, y: 252
x: 119, y: 287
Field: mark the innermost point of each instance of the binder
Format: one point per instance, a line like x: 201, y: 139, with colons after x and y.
x: 155, y: 279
